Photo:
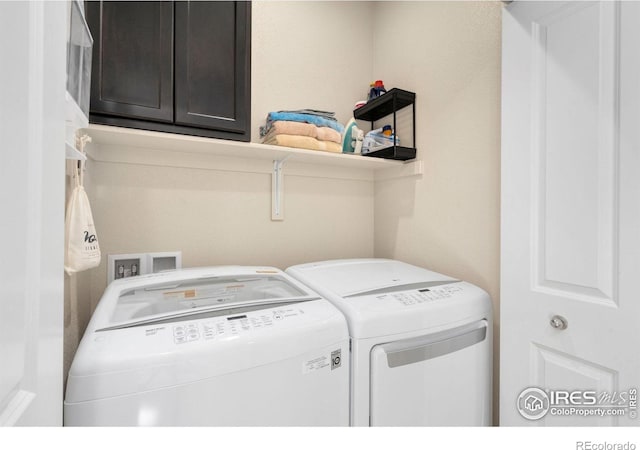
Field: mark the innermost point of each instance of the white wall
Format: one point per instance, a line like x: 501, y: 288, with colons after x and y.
x: 449, y: 54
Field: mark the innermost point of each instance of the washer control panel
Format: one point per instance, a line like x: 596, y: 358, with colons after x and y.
x: 230, y: 325
x: 408, y: 298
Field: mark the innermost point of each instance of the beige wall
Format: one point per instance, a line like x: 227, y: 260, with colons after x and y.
x: 449, y: 54
x: 309, y: 54
x: 218, y: 217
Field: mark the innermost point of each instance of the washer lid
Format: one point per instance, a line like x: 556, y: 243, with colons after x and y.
x: 156, y: 301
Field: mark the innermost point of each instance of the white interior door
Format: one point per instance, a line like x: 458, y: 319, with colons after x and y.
x: 570, y: 212
x: 32, y: 127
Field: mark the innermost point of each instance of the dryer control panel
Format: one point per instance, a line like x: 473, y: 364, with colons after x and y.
x: 221, y: 327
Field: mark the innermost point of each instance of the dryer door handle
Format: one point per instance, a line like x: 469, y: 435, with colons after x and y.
x: 410, y: 351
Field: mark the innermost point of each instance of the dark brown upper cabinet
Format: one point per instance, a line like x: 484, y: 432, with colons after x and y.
x: 180, y: 67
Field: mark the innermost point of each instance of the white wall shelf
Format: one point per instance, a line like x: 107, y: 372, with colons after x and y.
x: 131, y: 146
x: 103, y: 135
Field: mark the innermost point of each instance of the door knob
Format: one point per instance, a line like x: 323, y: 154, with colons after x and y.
x: 559, y: 322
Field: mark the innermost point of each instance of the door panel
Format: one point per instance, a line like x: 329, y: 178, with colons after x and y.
x: 13, y: 307
x: 570, y: 190
x: 132, y: 73
x: 32, y: 37
x: 558, y: 370
x: 574, y: 151
x: 212, y: 65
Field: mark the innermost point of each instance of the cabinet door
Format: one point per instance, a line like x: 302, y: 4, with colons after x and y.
x: 212, y: 65
x: 132, y: 73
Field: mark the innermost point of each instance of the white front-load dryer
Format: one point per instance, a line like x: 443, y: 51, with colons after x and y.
x: 231, y: 346
x: 421, y: 342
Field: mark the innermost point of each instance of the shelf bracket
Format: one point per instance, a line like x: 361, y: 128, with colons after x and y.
x: 277, y: 189
x: 72, y: 153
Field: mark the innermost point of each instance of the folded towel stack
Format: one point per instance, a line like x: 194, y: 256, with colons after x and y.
x: 306, y: 128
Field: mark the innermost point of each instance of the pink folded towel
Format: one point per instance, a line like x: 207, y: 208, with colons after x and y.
x: 304, y: 129
x: 306, y: 142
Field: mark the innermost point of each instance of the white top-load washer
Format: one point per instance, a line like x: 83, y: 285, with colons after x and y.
x: 421, y: 342
x: 229, y: 346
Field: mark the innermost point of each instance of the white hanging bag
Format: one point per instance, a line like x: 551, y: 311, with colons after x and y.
x: 82, y: 250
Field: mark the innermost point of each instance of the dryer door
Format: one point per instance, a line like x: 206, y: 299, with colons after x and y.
x: 441, y: 379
